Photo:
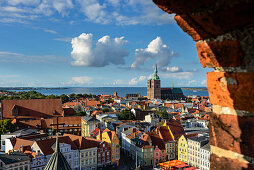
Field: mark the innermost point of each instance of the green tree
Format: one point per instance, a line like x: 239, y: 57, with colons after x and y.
x: 51, y: 97
x: 126, y: 115
x: 72, y: 95
x: 105, y: 110
x: 64, y: 98
x: 6, y: 126
x: 162, y: 113
x: 81, y: 113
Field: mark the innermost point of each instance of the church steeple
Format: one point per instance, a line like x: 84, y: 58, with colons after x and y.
x: 155, y: 75
x: 57, y: 160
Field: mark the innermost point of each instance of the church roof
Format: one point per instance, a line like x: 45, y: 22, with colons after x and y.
x: 57, y: 160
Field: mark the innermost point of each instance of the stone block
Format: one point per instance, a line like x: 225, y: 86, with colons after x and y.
x: 231, y: 132
x: 233, y: 90
x: 226, y: 53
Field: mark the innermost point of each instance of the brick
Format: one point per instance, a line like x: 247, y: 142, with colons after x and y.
x: 226, y: 163
x: 236, y: 132
x: 233, y: 90
x: 197, y: 33
x: 226, y: 53
x: 223, y: 20
x: 181, y: 6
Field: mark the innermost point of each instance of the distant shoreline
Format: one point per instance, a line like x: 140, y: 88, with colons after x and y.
x: 195, y: 88
x: 31, y: 88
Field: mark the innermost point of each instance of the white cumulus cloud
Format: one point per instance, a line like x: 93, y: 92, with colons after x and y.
x: 137, y: 80
x: 156, y: 50
x: 106, y: 51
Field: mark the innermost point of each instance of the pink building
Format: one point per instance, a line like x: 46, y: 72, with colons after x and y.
x: 159, y: 147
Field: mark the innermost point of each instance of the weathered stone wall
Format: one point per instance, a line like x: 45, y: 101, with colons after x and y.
x: 224, y: 35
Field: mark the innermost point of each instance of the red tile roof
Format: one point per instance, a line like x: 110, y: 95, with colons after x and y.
x: 34, y: 108
x: 46, y: 144
x: 164, y: 133
x: 176, y: 128
x: 156, y: 140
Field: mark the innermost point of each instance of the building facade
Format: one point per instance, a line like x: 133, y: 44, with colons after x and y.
x: 111, y: 138
x: 14, y: 161
x: 194, y: 146
x: 88, y: 124
x: 205, y: 157
x: 182, y: 149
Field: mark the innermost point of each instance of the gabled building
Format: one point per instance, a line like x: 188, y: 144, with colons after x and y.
x: 183, y: 149
x: 170, y: 144
x: 111, y: 138
x: 88, y: 124
x: 57, y: 161
x: 159, y: 154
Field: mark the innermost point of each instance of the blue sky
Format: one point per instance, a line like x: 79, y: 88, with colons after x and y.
x: 56, y: 43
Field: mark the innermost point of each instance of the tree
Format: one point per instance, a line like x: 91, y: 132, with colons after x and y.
x: 105, y: 110
x: 81, y: 113
x: 162, y: 113
x: 51, y: 97
x: 6, y: 126
x: 64, y: 98
x: 72, y: 95
x: 126, y: 115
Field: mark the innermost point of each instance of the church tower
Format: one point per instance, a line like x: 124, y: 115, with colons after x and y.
x: 154, y: 86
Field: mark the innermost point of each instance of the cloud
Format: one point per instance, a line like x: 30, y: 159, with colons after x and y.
x: 62, y: 6
x: 137, y: 80
x: 106, y: 51
x: 127, y: 12
x: 203, y: 83
x: 23, y: 2
x: 8, y: 76
x: 50, y: 31
x: 64, y: 39
x: 13, y: 20
x: 11, y: 57
x: 82, y: 80
x: 172, y: 69
x: 191, y: 82
x: 94, y: 11
x: 156, y: 50
x: 119, y: 82
x: 177, y: 75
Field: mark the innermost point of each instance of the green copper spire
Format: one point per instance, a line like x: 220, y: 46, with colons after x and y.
x: 155, y: 75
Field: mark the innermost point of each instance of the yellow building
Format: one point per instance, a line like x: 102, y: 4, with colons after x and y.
x: 111, y: 138
x: 88, y: 124
x: 182, y: 149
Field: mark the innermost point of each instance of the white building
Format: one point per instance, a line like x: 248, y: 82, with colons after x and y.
x: 153, y: 119
x: 14, y: 161
x: 194, y: 146
x: 205, y: 157
x: 15, y: 134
